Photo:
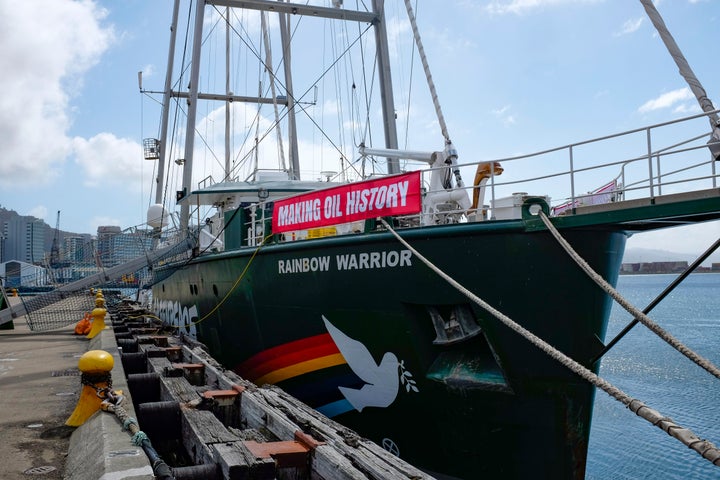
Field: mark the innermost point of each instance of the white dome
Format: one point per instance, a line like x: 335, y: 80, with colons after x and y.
x: 157, y: 216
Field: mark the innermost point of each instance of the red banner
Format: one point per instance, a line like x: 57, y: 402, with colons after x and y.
x: 386, y: 196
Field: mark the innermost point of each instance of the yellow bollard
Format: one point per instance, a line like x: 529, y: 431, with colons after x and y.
x: 95, y: 366
x: 98, y: 314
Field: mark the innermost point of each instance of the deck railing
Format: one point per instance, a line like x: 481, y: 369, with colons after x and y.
x: 664, y: 158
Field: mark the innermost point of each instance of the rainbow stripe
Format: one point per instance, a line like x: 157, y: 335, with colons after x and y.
x: 293, y: 359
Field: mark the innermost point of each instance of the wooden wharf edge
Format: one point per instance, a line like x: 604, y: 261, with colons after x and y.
x: 265, y: 432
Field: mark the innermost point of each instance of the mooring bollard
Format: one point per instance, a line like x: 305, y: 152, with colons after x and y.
x: 98, y: 315
x: 96, y: 380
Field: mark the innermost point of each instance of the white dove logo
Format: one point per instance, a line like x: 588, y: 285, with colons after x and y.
x: 381, y: 381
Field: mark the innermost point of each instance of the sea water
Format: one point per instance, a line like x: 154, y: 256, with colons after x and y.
x: 625, y: 446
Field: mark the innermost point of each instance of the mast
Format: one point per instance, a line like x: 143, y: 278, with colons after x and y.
x: 271, y: 73
x: 167, y: 94
x: 192, y: 100
x: 284, y: 8
x: 292, y: 128
x: 385, y: 79
x: 227, y: 91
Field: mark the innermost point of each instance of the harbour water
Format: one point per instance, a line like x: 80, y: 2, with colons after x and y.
x: 624, y: 446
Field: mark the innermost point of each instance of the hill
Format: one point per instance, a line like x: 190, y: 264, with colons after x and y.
x: 647, y: 255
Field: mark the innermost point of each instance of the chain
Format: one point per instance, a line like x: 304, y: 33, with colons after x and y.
x: 92, y: 380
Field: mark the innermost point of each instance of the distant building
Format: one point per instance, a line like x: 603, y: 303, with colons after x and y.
x: 115, y: 247
x: 77, y: 249
x: 24, y: 240
x: 715, y: 267
x: 22, y: 274
x: 106, y: 244
x: 654, y: 267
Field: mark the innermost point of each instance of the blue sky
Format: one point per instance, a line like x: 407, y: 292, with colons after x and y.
x: 513, y: 76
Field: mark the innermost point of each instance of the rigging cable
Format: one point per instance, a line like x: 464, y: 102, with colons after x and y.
x: 268, y: 61
x: 409, y: 93
x: 659, y: 298
x: 640, y: 316
x: 433, y: 92
x: 705, y: 448
x: 232, y: 288
x: 682, y: 64
x: 428, y: 75
x: 296, y: 99
x: 175, y: 122
x: 687, y: 73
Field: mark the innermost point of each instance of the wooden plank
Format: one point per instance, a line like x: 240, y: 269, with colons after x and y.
x: 200, y: 429
x: 363, y: 454
x: 178, y: 388
x: 344, y: 456
x: 172, y: 388
x: 238, y: 463
x: 158, y: 365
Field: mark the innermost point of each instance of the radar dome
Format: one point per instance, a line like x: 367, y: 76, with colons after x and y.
x: 157, y: 216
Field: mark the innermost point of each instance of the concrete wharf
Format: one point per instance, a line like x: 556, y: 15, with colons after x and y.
x: 204, y: 421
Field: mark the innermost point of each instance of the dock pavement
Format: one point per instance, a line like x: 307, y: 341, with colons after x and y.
x: 39, y: 388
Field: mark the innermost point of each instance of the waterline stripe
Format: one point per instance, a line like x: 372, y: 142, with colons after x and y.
x: 335, y: 408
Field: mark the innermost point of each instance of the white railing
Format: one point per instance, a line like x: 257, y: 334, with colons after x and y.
x: 646, y: 162
x: 640, y: 163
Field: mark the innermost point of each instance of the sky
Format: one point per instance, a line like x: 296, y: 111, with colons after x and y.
x: 513, y: 76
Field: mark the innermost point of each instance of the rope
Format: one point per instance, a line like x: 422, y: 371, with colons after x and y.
x: 706, y: 449
x: 640, y: 316
x: 234, y: 286
x: 426, y: 68
x: 682, y: 64
x: 113, y: 404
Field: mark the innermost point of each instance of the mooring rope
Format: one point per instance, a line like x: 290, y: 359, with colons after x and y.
x: 639, y: 315
x: 705, y: 448
x: 227, y: 295
x: 113, y: 404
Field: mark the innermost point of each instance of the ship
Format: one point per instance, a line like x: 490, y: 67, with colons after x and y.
x: 337, y: 288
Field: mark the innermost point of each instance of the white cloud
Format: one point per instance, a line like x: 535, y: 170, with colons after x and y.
x: 46, y: 47
x: 630, y: 26
x: 40, y: 211
x: 103, y: 221
x: 666, y: 100
x: 504, y: 115
x: 687, y: 109
x: 398, y: 28
x: 108, y: 160
x: 148, y: 70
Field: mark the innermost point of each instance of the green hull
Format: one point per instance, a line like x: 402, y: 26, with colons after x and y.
x: 488, y: 402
